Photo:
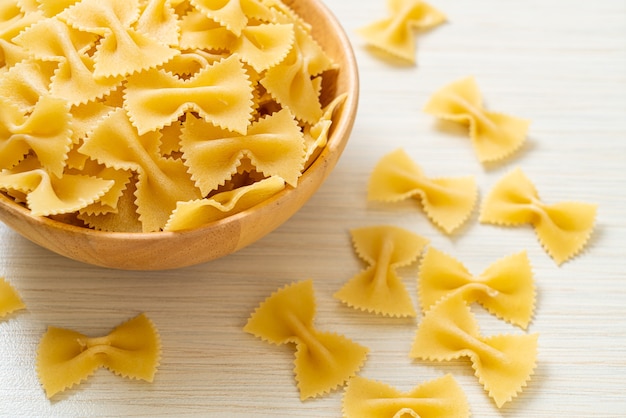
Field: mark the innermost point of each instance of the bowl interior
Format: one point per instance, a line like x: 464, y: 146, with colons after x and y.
x: 166, y: 250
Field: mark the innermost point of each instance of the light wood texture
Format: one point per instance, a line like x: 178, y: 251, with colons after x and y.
x: 561, y: 64
x: 166, y: 250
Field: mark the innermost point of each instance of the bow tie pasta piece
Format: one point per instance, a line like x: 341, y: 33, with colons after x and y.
x: 274, y: 145
x: 197, y: 32
x: 264, y: 46
x: 221, y: 94
x: 448, y: 201
x: 296, y: 82
x: 196, y: 213
x: 52, y: 8
x: 324, y: 360
x: 563, y: 229
x: 159, y: 21
x: 73, y: 80
x: 161, y: 182
x: 503, y: 363
x: 123, y: 219
x: 66, y: 357
x: 10, y: 300
x: 395, y: 34
x: 494, y: 136
x: 233, y: 14
x: 316, y: 136
x: 378, y: 288
x: 122, y: 50
x: 25, y: 83
x: 48, y: 194
x: 47, y: 131
x: 14, y: 18
x: 505, y: 288
x: 441, y: 397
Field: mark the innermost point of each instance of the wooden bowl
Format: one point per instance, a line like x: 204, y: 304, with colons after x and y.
x: 167, y: 250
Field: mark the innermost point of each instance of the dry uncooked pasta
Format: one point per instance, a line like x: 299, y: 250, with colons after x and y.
x: 505, y: 288
x: 437, y: 398
x: 115, y: 113
x: 502, y: 363
x: 447, y: 201
x: 395, y: 34
x: 323, y: 360
x: 494, y: 136
x: 378, y: 288
x: 65, y: 357
x: 10, y: 300
x: 563, y: 229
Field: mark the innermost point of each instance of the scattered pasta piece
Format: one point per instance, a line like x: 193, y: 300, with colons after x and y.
x: 494, y: 136
x: 563, y: 229
x: 438, y: 398
x: 396, y: 34
x: 10, y: 300
x: 378, y: 288
x: 324, y: 360
x: 448, y: 201
x: 502, y: 363
x: 66, y: 357
x: 505, y: 288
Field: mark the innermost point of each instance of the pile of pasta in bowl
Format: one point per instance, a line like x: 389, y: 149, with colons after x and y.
x: 142, y: 116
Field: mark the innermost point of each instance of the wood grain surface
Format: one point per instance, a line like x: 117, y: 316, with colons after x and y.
x: 561, y: 64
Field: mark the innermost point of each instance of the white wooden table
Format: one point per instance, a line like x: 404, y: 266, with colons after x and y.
x: 561, y: 64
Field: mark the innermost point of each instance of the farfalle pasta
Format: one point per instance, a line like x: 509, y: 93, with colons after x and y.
x: 447, y: 201
x: 494, y: 136
x: 395, y: 34
x: 324, y: 360
x: 378, y: 288
x: 65, y: 358
x: 563, y: 229
x: 10, y: 300
x: 505, y: 288
x: 502, y: 363
x: 437, y: 398
x: 99, y: 97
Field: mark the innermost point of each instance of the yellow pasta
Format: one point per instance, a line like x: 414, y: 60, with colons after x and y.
x: 273, y: 144
x: 505, y: 288
x: 438, y: 398
x: 45, y: 131
x: 324, y: 360
x: 137, y: 92
x: 220, y: 93
x: 51, y: 39
x: 563, y: 229
x: 10, y: 300
x: 161, y: 182
x: 295, y: 83
x: 447, y: 201
x: 65, y: 358
x: 494, y: 136
x: 378, y: 288
x: 502, y: 363
x: 122, y: 50
x: 200, y: 212
x: 395, y: 34
x: 47, y: 194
